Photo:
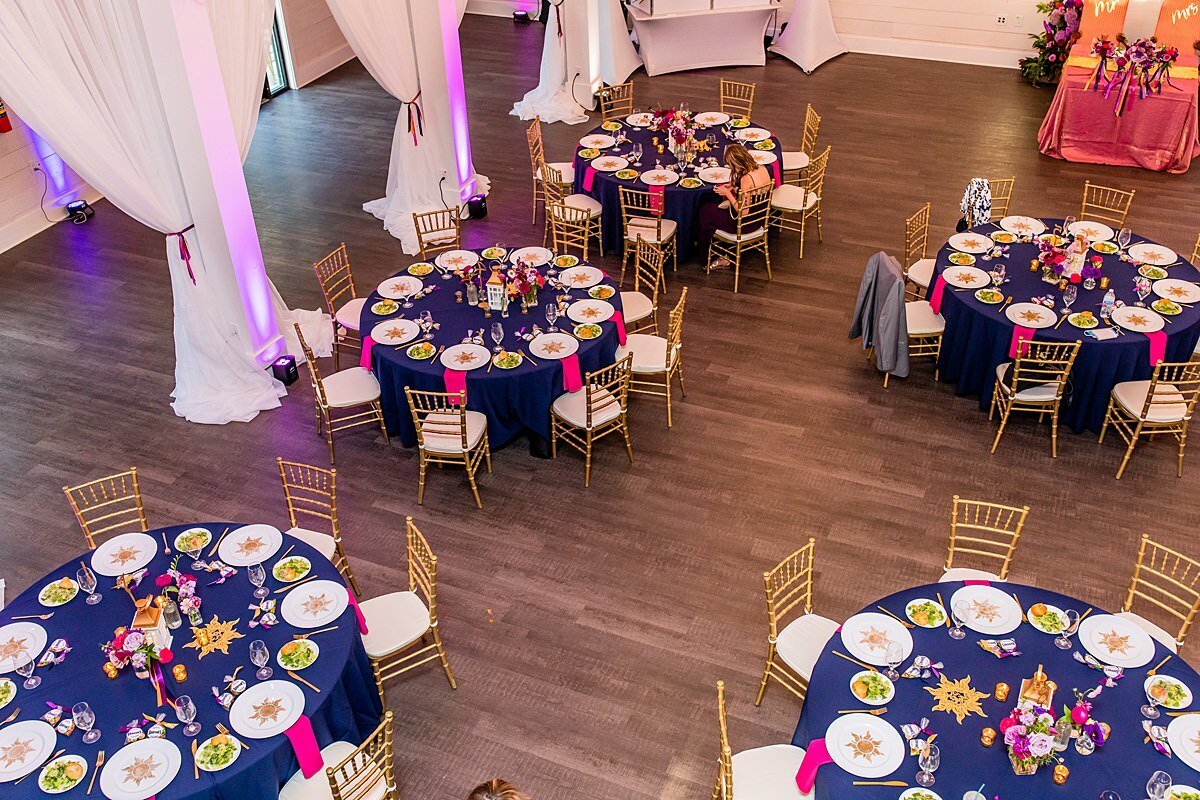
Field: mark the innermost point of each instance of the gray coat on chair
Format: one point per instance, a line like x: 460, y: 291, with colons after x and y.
x: 879, y: 316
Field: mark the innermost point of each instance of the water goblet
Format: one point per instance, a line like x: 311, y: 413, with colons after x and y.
x: 551, y: 316
x: 426, y: 323
x: 1063, y: 640
x: 497, y: 336
x: 1158, y: 785
x: 960, y: 612
x: 258, y: 577
x: 894, y: 656
x: 1150, y: 710
x: 636, y: 153
x: 929, y: 760
x: 185, y: 709
x: 1124, y: 236
x: 85, y: 720
x: 25, y: 670
x: 1142, y: 287
x: 259, y: 655
x: 87, y: 582
x: 1069, y: 295
x: 404, y: 295
x: 1109, y: 794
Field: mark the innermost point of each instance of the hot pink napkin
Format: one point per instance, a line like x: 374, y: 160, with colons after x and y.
x: 456, y: 381
x: 572, y: 379
x: 935, y: 294
x: 304, y: 743
x: 365, y: 361
x: 1158, y: 347
x: 1016, y: 347
x: 656, y: 198
x: 977, y: 583
x: 362, y: 621
x: 619, y: 318
x: 589, y: 177
x: 816, y: 755
x: 775, y: 170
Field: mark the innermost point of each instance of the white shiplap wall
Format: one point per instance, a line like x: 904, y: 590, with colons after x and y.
x: 314, y: 39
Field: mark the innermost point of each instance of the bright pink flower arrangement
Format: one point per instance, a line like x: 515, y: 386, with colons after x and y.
x: 134, y: 647
x: 1029, y: 734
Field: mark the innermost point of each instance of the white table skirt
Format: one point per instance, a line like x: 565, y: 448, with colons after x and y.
x: 721, y: 37
x: 809, y: 39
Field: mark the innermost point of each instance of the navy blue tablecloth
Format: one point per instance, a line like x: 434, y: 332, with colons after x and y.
x: 978, y: 336
x: 515, y: 401
x: 1123, y: 764
x: 681, y: 205
x: 347, y: 707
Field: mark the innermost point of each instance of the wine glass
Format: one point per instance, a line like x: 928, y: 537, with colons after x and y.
x: 85, y: 719
x: 426, y: 323
x: 1158, y: 785
x: 87, y: 582
x: 194, y: 553
x: 960, y: 612
x: 258, y: 577
x: 1063, y: 640
x: 1150, y: 710
x: 929, y: 760
x: 636, y: 154
x: 1124, y: 236
x: 894, y: 655
x: 25, y: 670
x: 1067, y: 223
x: 997, y: 275
x: 405, y: 293
x: 551, y: 316
x: 497, y: 336
x: 1109, y: 794
x: 259, y: 655
x: 1142, y: 287
x: 1069, y: 295
x: 185, y: 709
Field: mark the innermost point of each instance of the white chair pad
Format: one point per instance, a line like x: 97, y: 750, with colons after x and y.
x: 572, y: 407
x: 1132, y: 397
x: 564, y: 168
x: 584, y: 203
x: 768, y: 773
x: 1042, y: 393
x: 323, y: 543
x: 959, y: 574
x: 801, y: 642
x: 794, y: 160
x: 394, y: 620
x: 921, y: 272
x: 1156, y: 633
x: 745, y: 237
x: 921, y: 319
x: 350, y: 387
x: 439, y: 442
x: 635, y: 306
x: 649, y: 352
x: 792, y: 198
x: 644, y: 228
x: 349, y: 314
x: 299, y: 787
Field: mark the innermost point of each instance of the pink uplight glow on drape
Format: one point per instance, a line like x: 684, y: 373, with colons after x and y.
x: 457, y: 91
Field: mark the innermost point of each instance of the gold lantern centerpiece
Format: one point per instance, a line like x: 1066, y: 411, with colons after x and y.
x: 152, y: 622
x: 497, y: 293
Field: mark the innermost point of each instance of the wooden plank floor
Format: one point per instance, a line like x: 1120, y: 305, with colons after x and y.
x: 588, y: 627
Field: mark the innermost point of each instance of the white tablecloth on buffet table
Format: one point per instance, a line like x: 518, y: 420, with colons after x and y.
x: 678, y: 35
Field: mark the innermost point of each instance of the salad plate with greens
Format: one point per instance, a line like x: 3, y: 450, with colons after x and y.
x: 58, y: 593
x: 217, y: 753
x: 507, y: 359
x: 872, y: 688
x: 62, y: 774
x: 919, y: 794
x: 8, y: 690
x: 1181, y: 792
x: 926, y: 613
x: 1168, y: 692
x: 1047, y: 618
x: 292, y: 568
x: 193, y: 540
x: 298, y: 654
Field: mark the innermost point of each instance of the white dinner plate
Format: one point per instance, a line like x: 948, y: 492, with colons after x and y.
x: 395, y: 287
x: 659, y: 177
x: 26, y: 745
x: 266, y: 709
x: 966, y: 277
x: 1116, y: 641
x: 140, y: 770
x: 124, y: 554
x: 581, y: 277
x: 1153, y: 254
x: 864, y: 745
x: 1092, y: 231
x: 1041, y: 622
x: 1031, y: 315
x: 314, y: 604
x: 250, y: 544
x: 1176, y: 290
x: 1183, y: 735
x: 395, y: 331
x: 1139, y: 320
x: 763, y: 158
x: 465, y: 357
x: 610, y: 164
x: 1184, y: 701
x: 971, y: 242
x: 1023, y: 226
x: 989, y: 610
x: 711, y: 118
x: 868, y: 635
x: 553, y: 345
x: 20, y: 641
x: 640, y: 120
x: 457, y: 259
x: 597, y: 140
x: 534, y: 256
x: 753, y: 134
x: 593, y: 311
x: 715, y: 174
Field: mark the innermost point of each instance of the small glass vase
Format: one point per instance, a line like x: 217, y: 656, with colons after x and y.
x: 195, y: 617
x: 171, y: 613
x: 530, y: 298
x: 1022, y: 766
x: 1048, y: 275
x: 1089, y: 283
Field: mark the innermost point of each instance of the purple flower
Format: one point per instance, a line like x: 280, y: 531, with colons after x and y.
x: 1040, y: 744
x: 1014, y: 735
x: 1028, y: 718
x: 134, y: 640
x: 138, y: 660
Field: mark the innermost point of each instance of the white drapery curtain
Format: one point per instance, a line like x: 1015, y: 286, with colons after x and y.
x: 551, y: 99
x: 81, y: 76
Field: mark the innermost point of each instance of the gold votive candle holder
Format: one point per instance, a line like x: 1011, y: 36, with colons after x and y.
x: 661, y: 149
x: 1060, y: 773
x: 180, y: 673
x: 1001, y: 692
x: 1034, y: 265
x: 654, y: 141
x: 1103, y: 281
x: 988, y: 736
x: 110, y: 670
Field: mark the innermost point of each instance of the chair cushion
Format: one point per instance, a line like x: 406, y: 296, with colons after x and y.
x: 572, y: 407
x: 635, y: 306
x: 921, y: 319
x: 801, y: 642
x: 299, y: 787
x: 1042, y: 393
x: 323, y: 543
x: 394, y: 621
x: 745, y: 237
x: 959, y: 574
x: 1132, y: 396
x: 649, y: 352
x: 921, y: 272
x: 585, y: 203
x: 350, y: 387
x: 792, y: 198
x: 794, y: 160
x: 645, y: 228
x: 439, y: 442
x: 1156, y: 633
x: 565, y: 168
x: 768, y: 773
x: 348, y: 315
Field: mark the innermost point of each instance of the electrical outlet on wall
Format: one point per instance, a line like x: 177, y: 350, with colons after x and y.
x: 1001, y: 19
x: 35, y: 165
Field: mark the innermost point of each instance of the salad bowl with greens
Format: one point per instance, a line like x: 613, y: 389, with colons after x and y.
x: 217, y: 753
x: 920, y: 794
x: 1168, y: 692
x: 298, y: 654
x: 925, y: 613
x: 872, y: 688
x: 62, y: 774
x: 507, y: 359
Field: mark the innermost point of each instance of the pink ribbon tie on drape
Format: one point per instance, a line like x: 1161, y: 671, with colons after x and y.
x: 365, y: 360
x: 816, y: 755
x: 456, y: 381
x: 656, y: 200
x: 589, y: 178
x: 572, y: 378
x: 935, y: 294
x: 184, y: 253
x: 304, y: 743
x: 362, y: 621
x: 1158, y: 347
x: 776, y: 172
x: 1017, y: 347
x: 619, y: 319
x: 977, y: 583
x: 416, y: 118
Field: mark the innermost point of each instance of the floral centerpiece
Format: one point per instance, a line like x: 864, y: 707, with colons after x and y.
x: 131, y: 647
x: 1053, y: 259
x: 524, y: 282
x: 1029, y: 735
x: 183, y: 586
x: 679, y: 124
x: 1053, y: 43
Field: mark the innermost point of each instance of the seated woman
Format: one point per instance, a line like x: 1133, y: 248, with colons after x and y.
x: 497, y: 789
x: 745, y: 175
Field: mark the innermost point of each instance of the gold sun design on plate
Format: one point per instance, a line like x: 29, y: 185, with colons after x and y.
x: 1154, y: 256
x: 14, y: 648
x: 456, y: 260
x: 123, y: 555
x: 394, y: 333
x: 140, y: 770
x: 316, y: 604
x: 967, y: 277
x: 1023, y: 227
x: 590, y: 312
x: 957, y: 697
x: 1177, y: 291
x: 874, y: 638
x: 985, y: 610
x: 1137, y: 319
x: 1196, y: 744
x: 465, y: 358
x: 1089, y: 232
x: 400, y: 288
x: 1115, y: 642
x: 550, y: 348
x: 608, y: 163
x: 1031, y: 316
x: 864, y: 746
x: 580, y: 277
x: 17, y: 752
x: 268, y: 710
x: 971, y: 241
x: 250, y: 545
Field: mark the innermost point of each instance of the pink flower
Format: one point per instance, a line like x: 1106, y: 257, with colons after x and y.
x: 1014, y: 734
x: 134, y: 640
x: 1040, y: 744
x: 162, y: 580
x: 166, y: 656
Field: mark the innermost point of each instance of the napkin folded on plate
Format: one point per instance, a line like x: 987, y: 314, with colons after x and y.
x: 1018, y: 347
x: 1100, y: 334
x: 365, y: 360
x: 304, y: 743
x: 816, y: 755
x: 935, y: 294
x: 1158, y: 347
x: 362, y: 621
x: 572, y: 378
x: 456, y: 381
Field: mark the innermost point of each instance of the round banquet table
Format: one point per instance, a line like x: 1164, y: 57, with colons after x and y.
x: 978, y: 336
x: 1123, y: 764
x: 515, y: 401
x: 680, y: 204
x: 347, y: 707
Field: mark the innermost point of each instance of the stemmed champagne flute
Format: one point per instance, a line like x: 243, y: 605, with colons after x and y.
x: 497, y: 336
x: 85, y: 720
x: 959, y: 612
x: 1069, y: 295
x: 1158, y: 785
x: 405, y: 293
x: 636, y: 153
x: 551, y: 316
x: 185, y: 709
x: 25, y: 670
x: 929, y: 760
x: 894, y: 656
x: 258, y: 576
x: 1063, y: 640
x: 87, y: 582
x: 259, y: 655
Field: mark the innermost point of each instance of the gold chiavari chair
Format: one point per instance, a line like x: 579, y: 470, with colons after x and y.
x: 1161, y: 405
x: 112, y: 503
x: 576, y: 225
x: 1196, y: 252
x: 1037, y: 383
x: 919, y: 269
x: 311, y: 492
x: 341, y: 298
x: 761, y: 772
x: 793, y: 162
x: 925, y: 329
x: 582, y: 418
x: 656, y: 360
x: 1002, y: 191
x: 792, y: 206
x: 438, y: 231
x: 1104, y: 204
x: 750, y: 233
x: 1168, y: 580
x: 642, y: 220
x: 365, y: 772
x: 537, y: 157
x: 341, y: 397
x: 447, y: 433
x: 793, y: 642
x: 641, y: 310
x: 402, y: 627
x: 616, y: 102
x: 737, y: 98
x: 987, y: 530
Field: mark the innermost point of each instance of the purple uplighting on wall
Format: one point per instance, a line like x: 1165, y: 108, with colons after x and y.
x: 457, y: 91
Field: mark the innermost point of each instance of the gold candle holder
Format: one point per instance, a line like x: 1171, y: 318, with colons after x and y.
x: 1034, y: 265
x: 1060, y: 774
x: 988, y: 736
x: 1062, y: 285
x: 180, y: 673
x: 1103, y: 281
x: 1001, y: 692
x: 654, y: 141
x: 110, y: 670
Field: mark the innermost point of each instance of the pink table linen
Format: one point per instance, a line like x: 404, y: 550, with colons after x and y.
x: 1019, y: 348
x: 304, y: 743
x: 1158, y: 347
x: 815, y: 756
x: 619, y: 319
x: 365, y: 360
x: 935, y: 295
x: 572, y: 378
x: 456, y: 381
x: 358, y: 614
